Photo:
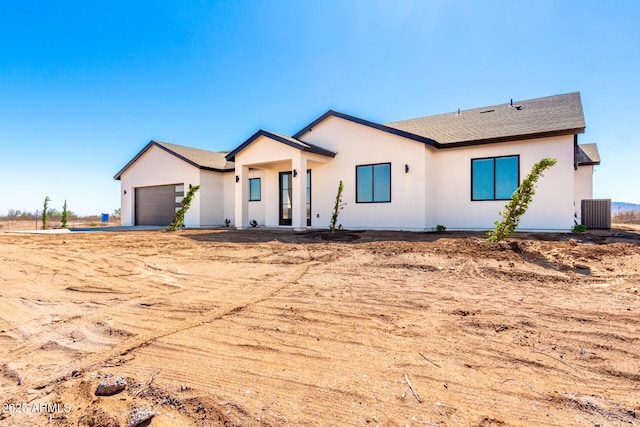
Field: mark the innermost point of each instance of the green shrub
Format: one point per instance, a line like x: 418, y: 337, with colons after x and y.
x: 519, y: 202
x: 227, y: 221
x: 45, y: 212
x: 578, y: 228
x: 65, y: 216
x: 440, y: 228
x: 337, y: 207
x: 178, y: 218
x: 253, y: 223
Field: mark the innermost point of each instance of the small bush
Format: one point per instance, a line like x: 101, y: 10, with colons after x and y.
x: 337, y: 207
x: 253, y: 223
x: 227, y: 221
x: 178, y: 218
x: 519, y: 203
x: 578, y: 228
x: 440, y: 228
x: 627, y: 217
x: 94, y: 224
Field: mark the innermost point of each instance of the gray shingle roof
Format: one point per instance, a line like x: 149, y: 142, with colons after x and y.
x: 587, y: 154
x: 202, y: 159
x: 551, y: 115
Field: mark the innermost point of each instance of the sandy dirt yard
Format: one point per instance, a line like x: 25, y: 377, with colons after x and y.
x: 275, y: 328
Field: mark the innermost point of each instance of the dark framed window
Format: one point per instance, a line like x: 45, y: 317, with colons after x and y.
x: 373, y: 183
x: 494, y: 178
x: 254, y: 189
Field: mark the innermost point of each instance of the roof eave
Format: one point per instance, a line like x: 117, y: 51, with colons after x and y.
x: 588, y: 163
x: 364, y: 122
x: 512, y: 138
x: 310, y: 149
x: 118, y: 175
x: 154, y: 143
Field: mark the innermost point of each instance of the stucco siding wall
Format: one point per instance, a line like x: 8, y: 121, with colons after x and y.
x: 552, y: 206
x: 211, y: 198
x: 583, y: 184
x: 361, y: 145
x: 228, y: 192
x: 157, y: 167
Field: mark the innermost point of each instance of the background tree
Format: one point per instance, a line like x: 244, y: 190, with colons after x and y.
x: 45, y: 210
x: 65, y: 216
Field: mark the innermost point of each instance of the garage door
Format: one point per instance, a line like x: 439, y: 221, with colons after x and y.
x: 157, y: 205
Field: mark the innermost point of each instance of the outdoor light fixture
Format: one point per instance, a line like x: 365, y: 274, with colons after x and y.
x: 295, y: 173
x: 125, y: 191
x: 406, y: 168
x: 237, y: 178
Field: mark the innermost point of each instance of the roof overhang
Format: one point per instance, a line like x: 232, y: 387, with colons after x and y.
x: 290, y: 141
x: 154, y: 143
x: 378, y: 126
x: 512, y: 138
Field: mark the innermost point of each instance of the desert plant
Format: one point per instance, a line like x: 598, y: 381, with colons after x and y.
x: 520, y: 200
x: 253, y: 223
x: 45, y: 212
x: 627, y: 217
x: 178, y: 218
x: 337, y: 207
x: 578, y: 228
x: 440, y: 228
x: 227, y: 222
x: 65, y: 216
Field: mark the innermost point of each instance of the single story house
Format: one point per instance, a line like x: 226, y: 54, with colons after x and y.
x: 457, y: 169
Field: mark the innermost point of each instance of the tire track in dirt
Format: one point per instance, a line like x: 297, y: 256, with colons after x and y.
x: 90, y: 361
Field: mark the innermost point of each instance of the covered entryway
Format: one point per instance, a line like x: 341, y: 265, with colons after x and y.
x: 157, y: 205
x: 287, y: 191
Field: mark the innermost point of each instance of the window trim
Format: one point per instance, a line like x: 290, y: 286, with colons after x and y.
x: 517, y: 156
x: 373, y: 183
x: 260, y: 190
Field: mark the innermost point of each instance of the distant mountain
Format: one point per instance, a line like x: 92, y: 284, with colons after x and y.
x: 623, y: 207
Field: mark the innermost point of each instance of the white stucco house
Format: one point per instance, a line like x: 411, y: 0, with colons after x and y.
x: 456, y: 169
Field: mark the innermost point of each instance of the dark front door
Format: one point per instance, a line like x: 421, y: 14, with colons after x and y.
x: 286, y: 202
x: 286, y: 191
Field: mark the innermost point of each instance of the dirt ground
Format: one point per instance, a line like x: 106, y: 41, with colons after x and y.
x: 272, y: 328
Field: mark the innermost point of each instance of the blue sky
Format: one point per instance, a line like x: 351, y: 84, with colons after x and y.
x: 85, y: 85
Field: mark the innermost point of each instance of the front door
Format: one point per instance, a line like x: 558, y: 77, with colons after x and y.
x: 286, y: 205
x: 286, y: 202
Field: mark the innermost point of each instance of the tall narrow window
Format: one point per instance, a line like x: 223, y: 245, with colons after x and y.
x: 373, y: 183
x: 254, y: 189
x: 494, y: 178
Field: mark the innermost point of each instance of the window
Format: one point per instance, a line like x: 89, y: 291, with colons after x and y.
x: 373, y: 183
x: 254, y: 189
x: 494, y: 178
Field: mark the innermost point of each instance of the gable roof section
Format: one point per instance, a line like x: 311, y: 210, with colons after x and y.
x: 384, y: 128
x: 287, y: 140
x: 587, y: 154
x: 534, y: 118
x: 201, y: 159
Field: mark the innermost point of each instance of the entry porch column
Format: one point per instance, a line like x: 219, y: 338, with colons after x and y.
x: 242, y: 197
x: 299, y: 190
